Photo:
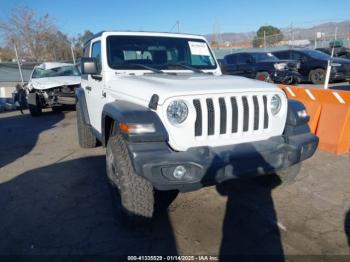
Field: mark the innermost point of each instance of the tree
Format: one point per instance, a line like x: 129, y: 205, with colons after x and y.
x: 36, y: 37
x: 273, y: 36
x: 6, y: 54
x: 28, y: 31
x: 79, y: 42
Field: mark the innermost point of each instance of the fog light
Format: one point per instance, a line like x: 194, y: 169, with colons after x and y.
x: 179, y: 172
x: 302, y: 114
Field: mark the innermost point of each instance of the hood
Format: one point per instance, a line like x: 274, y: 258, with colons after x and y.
x: 51, y: 82
x: 165, y: 86
x: 340, y: 60
x: 290, y: 63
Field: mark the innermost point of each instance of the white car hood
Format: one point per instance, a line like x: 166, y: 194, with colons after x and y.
x: 142, y: 87
x: 50, y: 82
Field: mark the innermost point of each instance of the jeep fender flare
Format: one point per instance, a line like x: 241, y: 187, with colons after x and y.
x: 130, y: 113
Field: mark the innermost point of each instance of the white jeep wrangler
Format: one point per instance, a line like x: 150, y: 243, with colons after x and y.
x: 171, y: 121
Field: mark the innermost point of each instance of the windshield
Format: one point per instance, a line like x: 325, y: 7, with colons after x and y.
x: 57, y: 71
x: 317, y: 54
x: 170, y: 53
x: 260, y: 57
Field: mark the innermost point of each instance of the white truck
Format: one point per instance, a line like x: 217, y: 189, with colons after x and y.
x: 171, y: 121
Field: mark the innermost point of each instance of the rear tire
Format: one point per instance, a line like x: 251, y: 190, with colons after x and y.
x: 57, y: 109
x: 85, y: 134
x: 35, y: 110
x: 317, y: 76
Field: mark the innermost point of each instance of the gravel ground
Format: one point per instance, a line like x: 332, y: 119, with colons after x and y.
x: 54, y: 199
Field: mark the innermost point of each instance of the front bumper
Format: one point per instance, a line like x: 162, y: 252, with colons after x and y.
x: 208, y: 165
x: 339, y: 75
x: 286, y: 77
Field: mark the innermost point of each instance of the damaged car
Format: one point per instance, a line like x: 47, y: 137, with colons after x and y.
x: 52, y: 85
x: 261, y: 66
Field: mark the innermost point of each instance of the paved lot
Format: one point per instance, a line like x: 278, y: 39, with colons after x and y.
x: 54, y: 199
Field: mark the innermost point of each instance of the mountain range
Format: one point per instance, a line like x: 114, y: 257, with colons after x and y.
x: 299, y: 33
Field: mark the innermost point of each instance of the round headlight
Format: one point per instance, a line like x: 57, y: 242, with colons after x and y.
x: 275, y: 104
x: 177, y: 112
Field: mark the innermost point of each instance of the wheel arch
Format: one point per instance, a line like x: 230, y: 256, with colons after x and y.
x: 126, y: 112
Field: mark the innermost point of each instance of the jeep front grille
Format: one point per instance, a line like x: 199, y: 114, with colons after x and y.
x: 238, y: 108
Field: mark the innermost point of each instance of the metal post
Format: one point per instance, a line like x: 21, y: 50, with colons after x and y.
x: 73, y: 56
x: 316, y: 40
x: 265, y: 41
x: 329, y: 66
x: 178, y: 26
x: 19, y: 64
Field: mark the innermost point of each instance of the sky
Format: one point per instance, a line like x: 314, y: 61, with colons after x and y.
x: 195, y: 16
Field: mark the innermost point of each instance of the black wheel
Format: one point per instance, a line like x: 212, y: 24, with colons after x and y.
x: 264, y: 76
x: 57, y: 109
x: 317, y: 76
x: 138, y: 200
x: 85, y: 134
x: 289, y: 174
x: 35, y: 110
x: 136, y: 193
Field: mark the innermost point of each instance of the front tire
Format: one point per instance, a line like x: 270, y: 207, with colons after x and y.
x: 85, y: 134
x: 317, y: 76
x: 57, y: 109
x: 136, y: 193
x: 35, y: 110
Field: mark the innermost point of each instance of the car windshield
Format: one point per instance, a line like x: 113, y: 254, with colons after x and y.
x: 57, y: 71
x: 317, y: 54
x: 164, y: 53
x: 260, y: 57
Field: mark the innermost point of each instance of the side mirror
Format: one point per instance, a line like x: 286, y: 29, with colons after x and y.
x: 88, y: 66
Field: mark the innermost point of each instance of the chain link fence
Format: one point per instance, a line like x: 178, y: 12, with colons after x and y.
x: 282, y: 41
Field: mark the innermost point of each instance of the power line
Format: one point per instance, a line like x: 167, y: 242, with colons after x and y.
x: 177, y: 24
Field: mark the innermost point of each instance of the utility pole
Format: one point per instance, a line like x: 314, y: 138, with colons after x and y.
x: 265, y: 41
x: 18, y: 63
x: 73, y: 56
x: 215, y: 37
x: 315, y: 40
x: 292, y: 34
x: 177, y: 25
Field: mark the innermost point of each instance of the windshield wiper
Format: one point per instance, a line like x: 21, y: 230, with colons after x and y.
x: 155, y: 70
x: 196, y: 70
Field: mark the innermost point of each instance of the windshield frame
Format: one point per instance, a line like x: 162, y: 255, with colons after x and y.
x: 214, y: 67
x: 39, y: 68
